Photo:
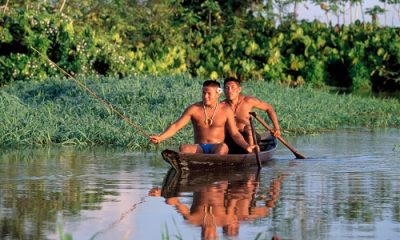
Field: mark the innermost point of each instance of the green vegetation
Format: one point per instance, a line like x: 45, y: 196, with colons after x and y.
x: 175, y: 44
x: 61, y: 233
x: 59, y: 111
x: 206, y: 39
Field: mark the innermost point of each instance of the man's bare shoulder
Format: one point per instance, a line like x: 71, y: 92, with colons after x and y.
x: 224, y: 102
x: 252, y: 100
x: 194, y: 107
x: 225, y: 106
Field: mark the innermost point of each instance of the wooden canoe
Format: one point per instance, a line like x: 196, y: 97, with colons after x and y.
x: 196, y: 161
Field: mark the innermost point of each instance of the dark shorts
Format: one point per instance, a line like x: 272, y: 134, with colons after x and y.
x: 207, y: 147
x: 264, y: 140
x: 232, y: 145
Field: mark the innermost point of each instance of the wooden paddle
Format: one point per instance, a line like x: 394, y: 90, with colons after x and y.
x: 253, y: 132
x: 294, y: 151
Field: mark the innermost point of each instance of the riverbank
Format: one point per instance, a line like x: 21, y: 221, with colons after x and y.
x: 58, y: 111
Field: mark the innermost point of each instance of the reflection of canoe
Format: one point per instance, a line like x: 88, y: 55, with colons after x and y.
x: 195, y: 161
x: 221, y: 197
x: 191, y: 181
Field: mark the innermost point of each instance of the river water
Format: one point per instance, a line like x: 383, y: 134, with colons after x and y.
x: 348, y: 188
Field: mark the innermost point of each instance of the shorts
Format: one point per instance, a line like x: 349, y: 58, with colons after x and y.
x: 207, y: 147
x: 234, y: 148
x: 263, y: 140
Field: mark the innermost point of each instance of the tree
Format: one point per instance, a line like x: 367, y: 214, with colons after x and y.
x: 374, y: 12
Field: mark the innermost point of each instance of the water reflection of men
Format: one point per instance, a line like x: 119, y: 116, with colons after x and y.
x: 225, y: 204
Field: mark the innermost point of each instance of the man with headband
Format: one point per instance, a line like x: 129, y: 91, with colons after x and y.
x: 210, y: 121
x: 241, y: 105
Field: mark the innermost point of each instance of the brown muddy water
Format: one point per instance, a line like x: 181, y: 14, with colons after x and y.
x: 349, y: 188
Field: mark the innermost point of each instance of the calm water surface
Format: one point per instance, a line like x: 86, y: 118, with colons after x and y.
x: 349, y: 188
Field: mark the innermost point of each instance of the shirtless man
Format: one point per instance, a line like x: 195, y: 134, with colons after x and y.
x: 210, y: 120
x: 241, y: 105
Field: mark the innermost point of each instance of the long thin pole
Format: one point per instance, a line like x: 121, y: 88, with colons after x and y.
x: 253, y: 132
x: 131, y: 123
x: 294, y: 151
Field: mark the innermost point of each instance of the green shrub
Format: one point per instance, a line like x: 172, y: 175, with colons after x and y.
x: 210, y: 40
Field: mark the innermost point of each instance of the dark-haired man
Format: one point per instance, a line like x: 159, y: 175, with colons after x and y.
x: 210, y: 120
x: 241, y: 105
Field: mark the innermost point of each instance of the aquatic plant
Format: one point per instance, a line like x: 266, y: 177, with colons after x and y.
x: 60, y: 230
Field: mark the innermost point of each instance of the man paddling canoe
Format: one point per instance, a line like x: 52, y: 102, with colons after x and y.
x: 241, y: 105
x: 210, y: 120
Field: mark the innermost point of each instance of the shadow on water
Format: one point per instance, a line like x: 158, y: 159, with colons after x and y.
x: 220, y: 199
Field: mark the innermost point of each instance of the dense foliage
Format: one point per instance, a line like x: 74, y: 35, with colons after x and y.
x: 208, y: 39
x: 58, y: 111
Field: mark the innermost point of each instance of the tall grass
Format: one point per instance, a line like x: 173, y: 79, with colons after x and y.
x: 306, y: 110
x: 59, y: 111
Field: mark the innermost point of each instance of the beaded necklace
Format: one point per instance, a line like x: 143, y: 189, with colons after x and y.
x: 209, y: 121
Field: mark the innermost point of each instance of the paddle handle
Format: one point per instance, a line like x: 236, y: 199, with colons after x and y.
x: 294, y: 151
x: 253, y: 133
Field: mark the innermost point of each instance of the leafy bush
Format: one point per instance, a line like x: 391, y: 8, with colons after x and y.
x: 214, y: 39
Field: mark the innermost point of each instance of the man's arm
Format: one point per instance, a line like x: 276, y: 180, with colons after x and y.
x: 257, y: 103
x: 182, y: 208
x: 174, y: 127
x: 234, y: 132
